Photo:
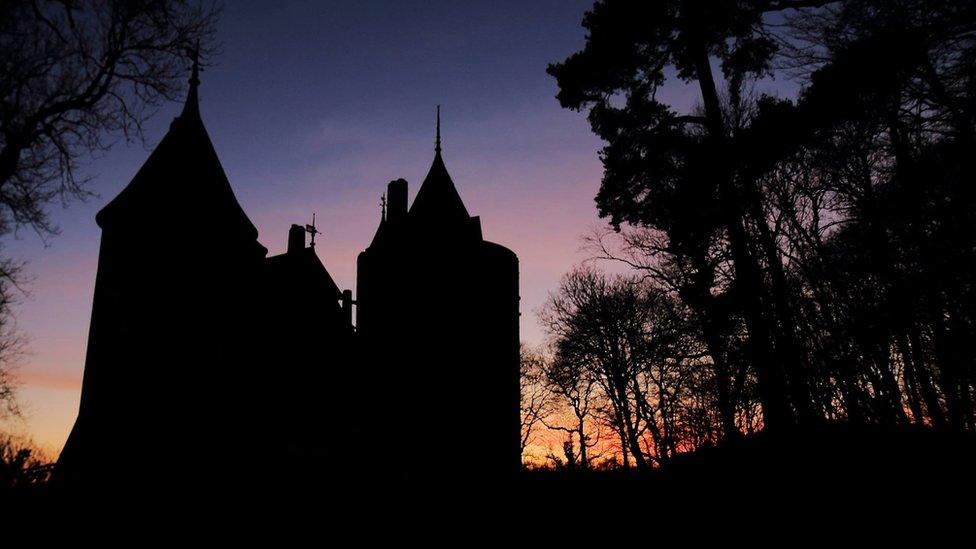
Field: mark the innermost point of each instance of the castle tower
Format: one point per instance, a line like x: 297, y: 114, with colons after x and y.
x: 437, y: 316
x: 173, y: 324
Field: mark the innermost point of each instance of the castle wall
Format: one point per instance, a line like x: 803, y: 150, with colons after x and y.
x: 174, y: 324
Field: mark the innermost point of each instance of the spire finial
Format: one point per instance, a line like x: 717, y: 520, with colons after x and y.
x: 195, y: 57
x: 437, y: 145
x: 192, y: 106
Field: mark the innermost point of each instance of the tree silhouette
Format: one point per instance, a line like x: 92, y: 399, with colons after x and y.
x: 536, y: 395
x: 574, y: 386
x: 677, y: 172
x: 626, y: 353
x: 823, y: 245
x: 21, y: 465
x: 75, y: 74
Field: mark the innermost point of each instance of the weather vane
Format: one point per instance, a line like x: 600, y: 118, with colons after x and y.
x: 310, y: 229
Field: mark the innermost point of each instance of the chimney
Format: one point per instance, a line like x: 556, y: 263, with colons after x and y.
x: 396, y: 195
x: 296, y: 239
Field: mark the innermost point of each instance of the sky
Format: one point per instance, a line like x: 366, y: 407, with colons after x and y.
x: 313, y: 107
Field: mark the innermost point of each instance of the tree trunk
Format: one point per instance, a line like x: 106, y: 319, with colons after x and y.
x: 581, y: 432
x: 777, y: 413
x: 932, y: 405
x: 787, y: 349
x: 910, y: 375
x: 699, y: 297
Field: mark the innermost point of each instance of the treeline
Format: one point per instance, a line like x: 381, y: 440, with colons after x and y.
x: 795, y: 260
x: 22, y: 465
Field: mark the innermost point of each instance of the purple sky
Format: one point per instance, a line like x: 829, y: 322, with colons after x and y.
x: 313, y: 107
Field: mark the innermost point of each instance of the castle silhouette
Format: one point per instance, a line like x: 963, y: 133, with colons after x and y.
x: 204, y: 354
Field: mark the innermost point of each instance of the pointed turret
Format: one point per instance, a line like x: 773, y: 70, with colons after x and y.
x: 182, y: 186
x: 430, y: 289
x: 176, y: 309
x: 438, y: 198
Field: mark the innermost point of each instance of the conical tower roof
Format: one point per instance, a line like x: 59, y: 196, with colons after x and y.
x: 182, y: 185
x: 438, y: 198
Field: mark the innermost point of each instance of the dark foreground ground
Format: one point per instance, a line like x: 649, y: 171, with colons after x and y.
x: 833, y: 465
x: 829, y: 478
